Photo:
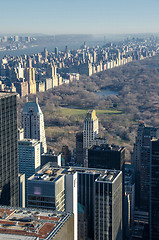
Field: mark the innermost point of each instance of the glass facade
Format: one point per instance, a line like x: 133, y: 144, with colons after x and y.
x: 9, y: 183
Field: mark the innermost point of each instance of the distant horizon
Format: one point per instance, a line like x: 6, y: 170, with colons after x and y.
x: 76, y: 34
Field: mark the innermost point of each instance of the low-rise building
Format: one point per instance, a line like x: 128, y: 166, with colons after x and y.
x: 31, y: 224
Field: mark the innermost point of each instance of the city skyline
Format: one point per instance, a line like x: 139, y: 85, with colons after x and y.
x: 79, y: 17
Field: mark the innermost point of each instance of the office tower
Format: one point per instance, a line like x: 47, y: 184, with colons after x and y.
x: 90, y: 132
x: 75, y: 191
x: 55, y: 159
x: 79, y: 148
x: 108, y: 206
x: 45, y: 53
x: 154, y: 190
x: 56, y: 52
x: 87, y: 207
x: 46, y: 190
x: 29, y: 74
x: 141, y: 162
x: 32, y: 120
x: 24, y: 223
x: 106, y: 157
x: 66, y: 154
x: 9, y: 190
x: 83, y: 203
x: 129, y: 183
x: 28, y: 159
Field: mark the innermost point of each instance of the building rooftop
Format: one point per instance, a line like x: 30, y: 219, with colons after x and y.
x: 91, y: 115
x: 51, y: 173
x: 109, y: 176
x: 30, y: 224
x: 30, y: 107
x: 6, y: 94
x: 107, y: 147
x: 47, y: 174
x: 29, y: 142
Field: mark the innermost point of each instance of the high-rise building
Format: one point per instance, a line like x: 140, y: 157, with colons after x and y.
x: 45, y: 53
x: 66, y: 154
x: 79, y: 148
x: 32, y: 120
x: 106, y: 157
x: 93, y: 195
x: 56, y: 52
x: 154, y: 190
x: 129, y: 183
x: 46, y: 190
x: 30, y: 78
x: 90, y: 132
x: 9, y: 190
x: 141, y: 162
x: 108, y: 206
x: 29, y: 160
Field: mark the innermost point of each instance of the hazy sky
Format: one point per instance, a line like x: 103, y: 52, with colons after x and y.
x: 79, y: 16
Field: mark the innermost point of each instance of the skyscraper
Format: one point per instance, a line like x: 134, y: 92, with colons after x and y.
x: 32, y: 120
x: 79, y: 148
x: 108, y: 206
x: 29, y: 160
x: 30, y: 78
x: 9, y: 190
x: 90, y: 133
x: 141, y: 162
x: 106, y: 157
x: 73, y: 189
x: 154, y: 190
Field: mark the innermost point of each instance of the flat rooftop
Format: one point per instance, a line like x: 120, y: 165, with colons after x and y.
x: 29, y: 142
x: 51, y: 173
x: 4, y: 94
x: 29, y: 223
x: 108, y: 176
x: 107, y: 147
x: 47, y: 174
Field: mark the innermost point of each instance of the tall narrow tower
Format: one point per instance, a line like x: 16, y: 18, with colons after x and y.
x: 9, y: 191
x: 90, y: 133
x: 32, y: 120
x: 154, y: 193
x: 30, y: 78
x: 141, y: 161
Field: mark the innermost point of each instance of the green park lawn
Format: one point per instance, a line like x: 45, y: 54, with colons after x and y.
x: 74, y: 111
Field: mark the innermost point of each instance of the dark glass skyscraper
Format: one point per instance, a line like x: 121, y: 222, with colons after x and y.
x: 106, y: 157
x: 154, y: 190
x: 9, y: 190
x: 141, y: 162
